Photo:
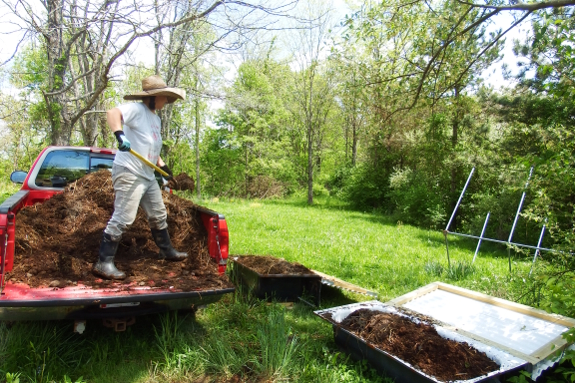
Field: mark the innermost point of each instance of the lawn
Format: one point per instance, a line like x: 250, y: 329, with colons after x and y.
x: 241, y: 339
x: 367, y: 249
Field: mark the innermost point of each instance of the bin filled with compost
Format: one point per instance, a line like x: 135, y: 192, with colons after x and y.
x: 268, y: 277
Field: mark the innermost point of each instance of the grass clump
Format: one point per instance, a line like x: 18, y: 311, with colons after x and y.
x: 457, y: 271
x: 434, y: 268
x: 460, y: 270
x: 278, y: 346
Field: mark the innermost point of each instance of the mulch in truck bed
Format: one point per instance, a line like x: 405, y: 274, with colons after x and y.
x: 420, y: 345
x: 58, y: 241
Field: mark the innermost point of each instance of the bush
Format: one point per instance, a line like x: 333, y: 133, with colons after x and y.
x: 417, y: 198
x: 265, y: 187
x: 364, y: 187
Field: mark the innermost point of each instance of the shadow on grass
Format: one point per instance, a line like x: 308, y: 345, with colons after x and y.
x: 487, y: 249
x: 336, y: 205
x: 333, y: 297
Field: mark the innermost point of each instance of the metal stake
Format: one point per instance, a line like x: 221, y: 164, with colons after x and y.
x: 537, y: 250
x: 480, y: 237
x: 459, y: 200
x: 447, y: 248
x: 453, y: 214
x: 517, y: 216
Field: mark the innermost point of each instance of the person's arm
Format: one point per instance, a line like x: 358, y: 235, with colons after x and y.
x: 162, y: 165
x: 114, y: 118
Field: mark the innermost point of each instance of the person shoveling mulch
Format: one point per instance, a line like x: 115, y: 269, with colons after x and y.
x: 265, y: 264
x: 419, y: 344
x: 57, y: 242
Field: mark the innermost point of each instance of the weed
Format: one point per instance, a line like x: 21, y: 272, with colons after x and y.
x: 278, y: 346
x: 434, y: 268
x: 168, y: 338
x: 4, y: 340
x: 460, y: 270
x: 222, y: 358
x: 12, y: 378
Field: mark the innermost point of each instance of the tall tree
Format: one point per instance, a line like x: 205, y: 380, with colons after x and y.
x: 256, y: 117
x: 312, y: 92
x: 83, y: 41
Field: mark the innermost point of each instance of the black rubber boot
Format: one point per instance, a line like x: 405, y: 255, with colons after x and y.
x: 105, y: 267
x: 162, y: 239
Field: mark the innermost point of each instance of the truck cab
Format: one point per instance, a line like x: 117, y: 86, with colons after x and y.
x: 54, y: 169
x: 57, y: 166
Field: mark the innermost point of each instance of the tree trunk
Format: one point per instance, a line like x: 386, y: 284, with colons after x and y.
x: 310, y: 141
x: 454, y: 138
x: 346, y: 134
x: 197, y: 104
x: 354, y: 145
x: 309, y: 164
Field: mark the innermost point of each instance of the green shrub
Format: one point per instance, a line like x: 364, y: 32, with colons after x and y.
x: 417, y: 198
x: 365, y: 188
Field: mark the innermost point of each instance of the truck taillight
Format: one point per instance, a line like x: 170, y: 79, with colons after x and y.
x: 218, y: 245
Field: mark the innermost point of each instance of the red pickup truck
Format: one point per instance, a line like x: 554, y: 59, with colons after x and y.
x: 50, y: 173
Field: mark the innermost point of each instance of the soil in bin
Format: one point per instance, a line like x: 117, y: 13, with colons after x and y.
x: 265, y: 264
x: 58, y: 241
x: 420, y: 345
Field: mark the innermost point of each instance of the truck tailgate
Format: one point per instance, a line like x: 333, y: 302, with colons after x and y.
x: 20, y: 302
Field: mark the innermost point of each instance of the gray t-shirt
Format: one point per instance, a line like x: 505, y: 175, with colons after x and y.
x: 142, y: 128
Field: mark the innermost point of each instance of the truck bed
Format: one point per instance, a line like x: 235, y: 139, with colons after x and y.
x: 87, y: 296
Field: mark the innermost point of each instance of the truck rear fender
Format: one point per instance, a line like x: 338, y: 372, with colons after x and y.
x: 3, y: 243
x: 8, y: 210
x: 218, y: 237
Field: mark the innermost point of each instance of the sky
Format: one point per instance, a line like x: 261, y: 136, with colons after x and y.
x: 493, y: 76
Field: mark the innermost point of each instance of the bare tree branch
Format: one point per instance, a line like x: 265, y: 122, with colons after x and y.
x: 528, y: 7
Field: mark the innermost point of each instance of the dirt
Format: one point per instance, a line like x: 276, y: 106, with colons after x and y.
x: 182, y: 182
x: 58, y: 241
x: 419, y: 344
x: 266, y: 265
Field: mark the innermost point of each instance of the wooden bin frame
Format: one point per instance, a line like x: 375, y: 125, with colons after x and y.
x: 557, y: 344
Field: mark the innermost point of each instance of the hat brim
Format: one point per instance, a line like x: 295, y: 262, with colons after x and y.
x: 173, y: 94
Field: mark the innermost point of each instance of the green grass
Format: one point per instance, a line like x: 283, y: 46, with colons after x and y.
x: 366, y: 249
x: 243, y: 339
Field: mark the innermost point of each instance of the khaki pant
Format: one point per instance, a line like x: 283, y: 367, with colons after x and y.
x: 130, y: 192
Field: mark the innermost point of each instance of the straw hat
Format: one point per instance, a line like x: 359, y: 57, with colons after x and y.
x: 155, y: 86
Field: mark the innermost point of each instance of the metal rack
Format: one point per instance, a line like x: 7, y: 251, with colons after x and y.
x: 509, y: 241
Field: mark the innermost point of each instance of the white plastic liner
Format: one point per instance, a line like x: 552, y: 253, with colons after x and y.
x: 509, y: 328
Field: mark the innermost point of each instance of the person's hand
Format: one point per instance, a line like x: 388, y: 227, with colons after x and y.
x: 167, y: 170
x: 123, y: 143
